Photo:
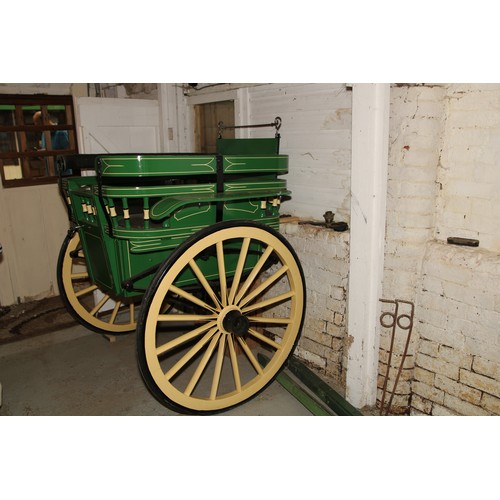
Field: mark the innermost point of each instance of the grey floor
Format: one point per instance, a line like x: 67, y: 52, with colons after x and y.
x: 78, y: 372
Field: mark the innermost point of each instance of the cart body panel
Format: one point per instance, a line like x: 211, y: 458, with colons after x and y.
x: 139, y: 207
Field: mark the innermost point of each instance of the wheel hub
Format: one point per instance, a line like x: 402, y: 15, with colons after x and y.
x: 234, y: 322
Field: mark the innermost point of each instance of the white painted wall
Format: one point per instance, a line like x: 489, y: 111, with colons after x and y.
x: 416, y: 137
x: 324, y: 255
x: 316, y: 134
x: 457, y: 359
x: 469, y: 173
x: 443, y: 181
x: 107, y: 125
x: 33, y: 224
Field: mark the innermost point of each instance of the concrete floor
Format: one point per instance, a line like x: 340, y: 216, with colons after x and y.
x: 78, y: 372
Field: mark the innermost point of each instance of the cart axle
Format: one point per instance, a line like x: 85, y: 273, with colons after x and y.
x: 236, y: 323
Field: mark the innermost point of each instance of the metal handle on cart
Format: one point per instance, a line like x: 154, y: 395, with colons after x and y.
x: 276, y: 124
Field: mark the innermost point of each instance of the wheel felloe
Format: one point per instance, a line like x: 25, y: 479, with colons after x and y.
x: 247, y: 297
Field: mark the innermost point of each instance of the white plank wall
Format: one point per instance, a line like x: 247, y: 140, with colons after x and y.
x: 316, y: 134
x: 33, y: 224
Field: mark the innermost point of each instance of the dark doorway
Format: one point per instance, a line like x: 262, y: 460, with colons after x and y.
x: 207, y: 117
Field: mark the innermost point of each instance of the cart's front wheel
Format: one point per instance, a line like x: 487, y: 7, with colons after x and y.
x: 92, y: 308
x: 232, y: 291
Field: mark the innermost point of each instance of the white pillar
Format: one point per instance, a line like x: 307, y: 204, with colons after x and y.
x: 169, y: 123
x: 370, y: 138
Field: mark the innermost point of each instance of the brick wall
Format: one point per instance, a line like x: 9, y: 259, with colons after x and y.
x: 324, y: 255
x: 443, y: 181
x: 417, y: 119
x: 469, y: 175
x: 316, y: 135
x: 457, y: 364
x: 441, y: 174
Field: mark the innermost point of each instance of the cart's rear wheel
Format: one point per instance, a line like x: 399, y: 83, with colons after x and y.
x: 102, y: 315
x: 249, y: 297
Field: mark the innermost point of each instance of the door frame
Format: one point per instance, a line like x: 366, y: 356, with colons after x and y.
x: 241, y: 110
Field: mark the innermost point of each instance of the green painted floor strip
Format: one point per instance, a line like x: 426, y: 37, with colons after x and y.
x: 317, y: 408
x: 322, y: 390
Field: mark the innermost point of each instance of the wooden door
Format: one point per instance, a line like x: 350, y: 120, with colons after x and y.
x: 207, y: 118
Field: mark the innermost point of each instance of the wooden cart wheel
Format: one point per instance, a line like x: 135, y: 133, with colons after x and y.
x: 202, y: 356
x: 107, y: 316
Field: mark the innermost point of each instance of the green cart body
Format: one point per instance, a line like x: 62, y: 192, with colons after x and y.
x: 138, y: 208
x: 189, y: 246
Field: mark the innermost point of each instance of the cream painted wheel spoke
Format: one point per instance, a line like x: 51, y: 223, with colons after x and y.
x: 189, y: 355
x: 77, y: 276
x: 184, y: 338
x: 222, y: 272
x: 264, y: 319
x: 264, y: 339
x: 239, y: 269
x: 218, y: 367
x: 268, y: 302
x: 185, y: 317
x: 250, y: 355
x: 199, y: 357
x: 234, y: 364
x: 255, y: 271
x: 131, y: 314
x: 77, y: 291
x: 202, y: 365
x: 191, y: 298
x: 264, y: 286
x: 115, y: 312
x: 85, y: 291
x: 204, y: 282
x: 99, y: 305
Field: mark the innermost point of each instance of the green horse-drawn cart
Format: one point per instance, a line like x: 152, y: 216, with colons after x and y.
x: 184, y: 249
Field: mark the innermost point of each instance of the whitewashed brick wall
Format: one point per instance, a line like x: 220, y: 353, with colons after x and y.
x: 448, y: 186
x: 416, y: 134
x: 457, y: 365
x: 469, y: 174
x: 316, y: 135
x: 324, y: 255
